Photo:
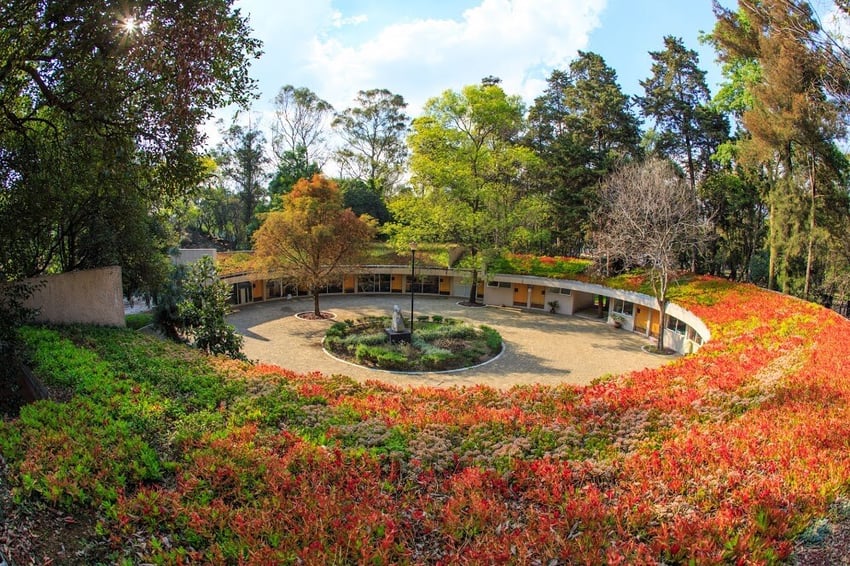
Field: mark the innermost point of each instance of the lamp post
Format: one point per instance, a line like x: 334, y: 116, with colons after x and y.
x: 412, y: 264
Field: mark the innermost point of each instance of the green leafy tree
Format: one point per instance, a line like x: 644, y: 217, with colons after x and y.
x: 242, y: 160
x: 193, y: 307
x: 203, y: 311
x: 100, y: 112
x: 373, y: 134
x: 581, y: 127
x: 468, y: 166
x: 677, y: 100
x: 300, y: 128
x: 780, y: 83
x: 313, y: 237
x: 292, y: 166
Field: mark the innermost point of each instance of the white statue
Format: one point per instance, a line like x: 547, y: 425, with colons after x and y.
x: 398, y: 320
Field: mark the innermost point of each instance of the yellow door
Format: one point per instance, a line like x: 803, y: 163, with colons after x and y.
x: 520, y: 295
x: 395, y: 284
x: 641, y: 318
x: 538, y: 297
x: 258, y: 288
x: 445, y: 285
x: 646, y: 317
x: 348, y: 283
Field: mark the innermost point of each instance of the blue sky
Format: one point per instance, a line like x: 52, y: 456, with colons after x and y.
x: 419, y: 48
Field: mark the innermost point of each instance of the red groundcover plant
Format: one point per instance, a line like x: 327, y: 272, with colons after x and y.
x: 723, y: 456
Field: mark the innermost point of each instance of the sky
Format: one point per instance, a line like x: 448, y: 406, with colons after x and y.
x: 420, y: 48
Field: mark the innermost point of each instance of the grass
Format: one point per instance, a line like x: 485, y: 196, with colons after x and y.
x: 138, y: 320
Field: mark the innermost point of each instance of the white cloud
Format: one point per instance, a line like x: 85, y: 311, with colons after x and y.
x: 419, y: 59
x: 318, y: 45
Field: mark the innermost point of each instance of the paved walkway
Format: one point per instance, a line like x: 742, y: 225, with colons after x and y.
x: 539, y: 347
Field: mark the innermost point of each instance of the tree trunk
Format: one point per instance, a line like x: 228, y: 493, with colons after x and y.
x: 316, y: 310
x: 473, y: 292
x: 662, y: 324
x: 810, y: 255
x: 773, y: 246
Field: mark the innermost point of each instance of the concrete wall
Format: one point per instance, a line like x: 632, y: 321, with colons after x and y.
x: 185, y: 256
x: 93, y: 296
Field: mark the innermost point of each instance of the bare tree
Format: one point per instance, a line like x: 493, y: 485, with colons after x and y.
x: 648, y: 219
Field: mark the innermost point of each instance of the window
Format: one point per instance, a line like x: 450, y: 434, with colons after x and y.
x: 560, y: 290
x: 622, y: 307
x: 694, y: 336
x: 502, y: 284
x: 676, y: 325
x: 565, y: 291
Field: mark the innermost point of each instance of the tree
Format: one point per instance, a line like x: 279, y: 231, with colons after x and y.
x: 647, y: 218
x: 300, y: 126
x: 781, y: 80
x: 100, y: 112
x: 313, y: 237
x: 677, y: 100
x: 468, y: 166
x: 242, y: 159
x: 292, y: 166
x: 194, y: 307
x: 361, y: 199
x: 373, y: 133
x: 582, y: 128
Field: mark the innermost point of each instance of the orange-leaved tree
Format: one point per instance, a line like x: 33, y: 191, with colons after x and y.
x: 314, y: 236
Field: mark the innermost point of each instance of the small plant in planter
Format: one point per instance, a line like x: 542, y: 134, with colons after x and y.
x: 553, y: 306
x: 618, y: 319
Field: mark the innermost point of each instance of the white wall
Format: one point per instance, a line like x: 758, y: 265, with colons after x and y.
x: 92, y: 296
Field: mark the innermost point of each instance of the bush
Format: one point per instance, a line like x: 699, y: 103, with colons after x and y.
x: 492, y: 337
x: 138, y: 320
x: 438, y: 318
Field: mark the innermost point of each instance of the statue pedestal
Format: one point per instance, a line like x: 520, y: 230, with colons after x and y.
x: 397, y: 335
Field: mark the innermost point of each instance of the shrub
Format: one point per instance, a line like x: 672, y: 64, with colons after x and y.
x: 138, y: 320
x: 492, y: 337
x: 438, y: 318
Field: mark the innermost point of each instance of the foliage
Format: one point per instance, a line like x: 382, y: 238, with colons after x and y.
x: 14, y: 312
x: 468, y: 173
x: 314, y: 236
x: 204, y: 309
x: 719, y: 457
x: 194, y: 307
x: 581, y: 127
x: 374, y: 151
x: 435, y: 345
x: 138, y: 320
x: 299, y: 131
x: 101, y: 113
x: 541, y: 266
x: 242, y: 161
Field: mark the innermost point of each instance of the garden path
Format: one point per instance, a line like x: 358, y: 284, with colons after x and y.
x: 540, y: 347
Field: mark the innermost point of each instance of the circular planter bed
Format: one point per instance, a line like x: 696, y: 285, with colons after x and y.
x: 437, y: 344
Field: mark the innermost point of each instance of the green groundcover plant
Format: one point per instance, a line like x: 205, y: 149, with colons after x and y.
x: 437, y: 344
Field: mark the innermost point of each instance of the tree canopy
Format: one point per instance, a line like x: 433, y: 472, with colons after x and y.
x: 313, y: 237
x: 100, y: 112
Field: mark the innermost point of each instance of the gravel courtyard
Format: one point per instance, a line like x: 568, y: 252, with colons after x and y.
x: 539, y: 347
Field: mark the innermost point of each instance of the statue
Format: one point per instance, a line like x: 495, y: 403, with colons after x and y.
x: 398, y: 320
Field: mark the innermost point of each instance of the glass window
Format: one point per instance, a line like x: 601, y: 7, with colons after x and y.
x: 622, y: 307
x: 676, y: 325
